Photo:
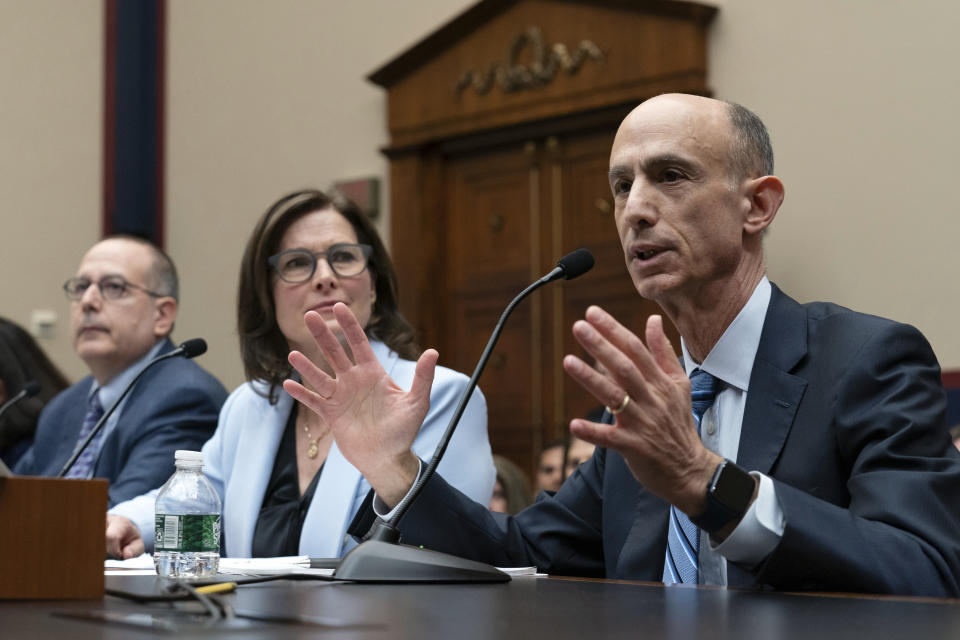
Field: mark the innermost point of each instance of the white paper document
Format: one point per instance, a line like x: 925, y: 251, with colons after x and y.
x: 143, y: 565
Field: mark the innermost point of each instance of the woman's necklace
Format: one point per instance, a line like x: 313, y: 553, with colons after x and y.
x: 313, y: 446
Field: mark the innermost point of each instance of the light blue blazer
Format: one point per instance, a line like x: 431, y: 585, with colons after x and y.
x: 239, y: 458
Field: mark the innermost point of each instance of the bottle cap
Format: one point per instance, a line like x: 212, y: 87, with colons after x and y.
x: 182, y: 455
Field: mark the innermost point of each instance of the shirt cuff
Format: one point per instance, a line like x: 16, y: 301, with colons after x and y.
x: 379, y: 506
x: 759, y: 531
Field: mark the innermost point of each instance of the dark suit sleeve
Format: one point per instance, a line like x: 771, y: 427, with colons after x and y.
x: 899, y: 527
x: 178, y: 409
x: 559, y: 534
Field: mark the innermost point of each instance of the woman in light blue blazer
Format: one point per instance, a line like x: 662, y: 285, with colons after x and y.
x: 286, y: 488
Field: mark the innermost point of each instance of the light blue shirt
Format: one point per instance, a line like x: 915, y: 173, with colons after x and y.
x: 731, y: 362
x: 112, y: 390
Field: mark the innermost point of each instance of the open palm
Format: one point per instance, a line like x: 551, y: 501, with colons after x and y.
x: 373, y: 420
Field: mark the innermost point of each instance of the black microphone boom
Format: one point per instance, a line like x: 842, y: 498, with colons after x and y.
x: 381, y: 559
x: 189, y: 349
x: 30, y: 388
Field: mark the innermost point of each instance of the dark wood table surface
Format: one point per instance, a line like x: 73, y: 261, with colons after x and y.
x: 525, y: 607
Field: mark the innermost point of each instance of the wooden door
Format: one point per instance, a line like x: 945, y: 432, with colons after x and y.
x: 511, y: 212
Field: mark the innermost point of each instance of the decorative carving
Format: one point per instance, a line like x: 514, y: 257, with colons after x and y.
x: 512, y: 76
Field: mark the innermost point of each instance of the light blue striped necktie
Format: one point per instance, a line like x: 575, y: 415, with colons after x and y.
x: 83, y: 467
x: 683, y: 537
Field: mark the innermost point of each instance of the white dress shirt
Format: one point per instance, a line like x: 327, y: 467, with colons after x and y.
x: 731, y: 362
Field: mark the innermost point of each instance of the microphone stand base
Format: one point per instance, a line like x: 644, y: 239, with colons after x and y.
x: 377, y: 561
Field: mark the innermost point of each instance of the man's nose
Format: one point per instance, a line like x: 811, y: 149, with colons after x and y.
x: 91, y: 298
x: 641, y: 206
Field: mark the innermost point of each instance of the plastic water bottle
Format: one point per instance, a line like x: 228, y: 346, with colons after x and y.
x: 187, y: 534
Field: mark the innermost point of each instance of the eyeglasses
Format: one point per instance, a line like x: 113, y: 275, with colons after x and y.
x: 111, y: 288
x: 299, y: 265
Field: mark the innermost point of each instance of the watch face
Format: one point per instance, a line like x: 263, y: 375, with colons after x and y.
x: 734, y: 488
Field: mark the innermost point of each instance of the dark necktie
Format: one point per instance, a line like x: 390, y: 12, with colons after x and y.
x: 683, y: 537
x: 83, y: 467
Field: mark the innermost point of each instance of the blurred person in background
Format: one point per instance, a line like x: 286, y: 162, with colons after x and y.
x: 511, y: 492
x: 21, y: 361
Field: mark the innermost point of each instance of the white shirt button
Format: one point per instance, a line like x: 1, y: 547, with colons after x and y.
x: 710, y: 425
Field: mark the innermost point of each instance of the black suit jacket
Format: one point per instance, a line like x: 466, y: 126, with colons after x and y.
x: 846, y: 413
x: 174, y: 405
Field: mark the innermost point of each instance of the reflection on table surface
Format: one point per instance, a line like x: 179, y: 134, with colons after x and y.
x: 527, y: 606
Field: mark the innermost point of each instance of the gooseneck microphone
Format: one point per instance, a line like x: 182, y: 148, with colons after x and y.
x: 189, y: 349
x: 30, y: 388
x: 381, y: 559
x: 570, y: 266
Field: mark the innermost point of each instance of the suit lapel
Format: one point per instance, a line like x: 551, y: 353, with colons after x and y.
x: 68, y: 431
x: 774, y: 394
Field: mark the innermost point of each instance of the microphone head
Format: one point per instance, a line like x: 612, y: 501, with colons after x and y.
x: 576, y: 263
x: 30, y: 388
x: 193, y: 348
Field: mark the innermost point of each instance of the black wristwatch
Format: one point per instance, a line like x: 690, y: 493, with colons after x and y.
x: 728, y: 497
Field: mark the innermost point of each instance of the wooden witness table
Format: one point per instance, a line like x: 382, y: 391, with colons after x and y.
x: 525, y: 607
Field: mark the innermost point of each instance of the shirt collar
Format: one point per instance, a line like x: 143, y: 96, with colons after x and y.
x: 731, y: 359
x: 112, y: 390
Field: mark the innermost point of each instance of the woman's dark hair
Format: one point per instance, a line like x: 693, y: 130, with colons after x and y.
x: 263, y: 347
x: 516, y: 487
x: 22, y: 360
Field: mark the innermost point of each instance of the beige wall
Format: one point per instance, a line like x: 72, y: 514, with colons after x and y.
x: 862, y: 99
x: 266, y: 97
x: 51, y: 138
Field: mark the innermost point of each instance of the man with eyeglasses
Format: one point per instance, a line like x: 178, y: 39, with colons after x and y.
x: 123, y: 305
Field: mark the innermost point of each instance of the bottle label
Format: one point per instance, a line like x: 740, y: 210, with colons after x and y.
x: 187, y: 533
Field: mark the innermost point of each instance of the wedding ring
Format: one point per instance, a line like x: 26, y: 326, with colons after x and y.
x: 623, y: 405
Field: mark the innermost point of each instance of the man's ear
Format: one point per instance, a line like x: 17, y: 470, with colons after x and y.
x: 766, y: 195
x: 166, y: 315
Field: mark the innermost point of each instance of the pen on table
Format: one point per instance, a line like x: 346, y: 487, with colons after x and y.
x: 220, y: 587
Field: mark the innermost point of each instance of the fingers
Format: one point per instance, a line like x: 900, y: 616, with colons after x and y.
x: 301, y: 394
x: 329, y: 346
x: 312, y: 374
x: 621, y: 340
x: 602, y: 435
x: 133, y: 550
x: 661, y: 347
x: 123, y: 538
x: 598, y: 385
x: 354, y: 333
x: 423, y: 376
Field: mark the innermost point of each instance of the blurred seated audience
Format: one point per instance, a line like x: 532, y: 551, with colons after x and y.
x: 21, y: 361
x: 511, y: 492
x: 550, y: 466
x: 578, y: 452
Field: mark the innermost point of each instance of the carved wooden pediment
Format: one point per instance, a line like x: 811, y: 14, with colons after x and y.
x: 505, y: 62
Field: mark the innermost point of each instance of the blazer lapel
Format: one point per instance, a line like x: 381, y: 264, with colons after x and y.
x: 255, y: 450
x: 332, y: 507
x: 774, y: 394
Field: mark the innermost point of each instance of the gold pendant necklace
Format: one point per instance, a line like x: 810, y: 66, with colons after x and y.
x: 313, y: 446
